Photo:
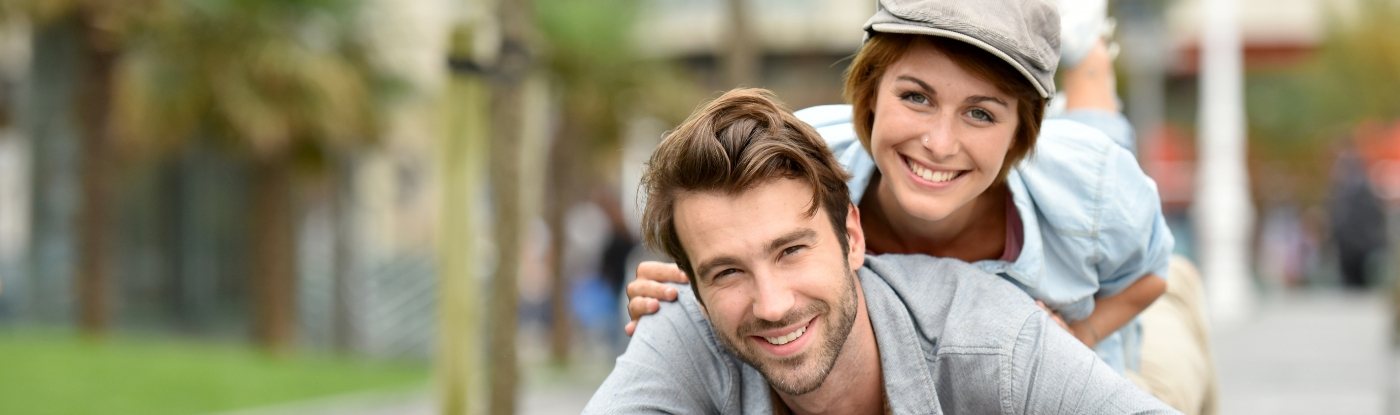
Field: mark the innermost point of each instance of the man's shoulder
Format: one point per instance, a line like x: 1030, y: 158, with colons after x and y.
x: 672, y: 364
x: 681, y: 321
x: 955, y: 304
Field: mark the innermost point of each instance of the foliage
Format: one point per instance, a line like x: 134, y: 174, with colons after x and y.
x: 1296, y: 116
x: 591, y: 53
x: 271, y: 75
x: 1348, y: 81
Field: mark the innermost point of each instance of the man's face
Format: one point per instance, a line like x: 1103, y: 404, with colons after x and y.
x: 776, y: 287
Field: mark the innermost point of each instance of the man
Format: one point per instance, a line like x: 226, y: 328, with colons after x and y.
x: 784, y: 318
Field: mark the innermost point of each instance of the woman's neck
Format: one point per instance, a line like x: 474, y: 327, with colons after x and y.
x: 975, y: 231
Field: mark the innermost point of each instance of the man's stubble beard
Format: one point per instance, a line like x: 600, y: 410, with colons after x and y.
x: 789, y: 375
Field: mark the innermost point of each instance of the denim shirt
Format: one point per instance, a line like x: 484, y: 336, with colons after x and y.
x: 951, y: 339
x: 1092, y: 220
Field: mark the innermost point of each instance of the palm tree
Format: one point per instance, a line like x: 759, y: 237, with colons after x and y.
x: 101, y: 29
x: 281, y: 82
x: 588, y: 54
x: 463, y: 146
x: 509, y: 126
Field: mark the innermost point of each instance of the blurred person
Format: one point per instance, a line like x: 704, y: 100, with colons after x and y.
x: 1358, y: 221
x: 614, y: 262
x: 949, y: 98
x: 750, y: 203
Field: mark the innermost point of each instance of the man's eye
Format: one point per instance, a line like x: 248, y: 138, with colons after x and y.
x: 724, y: 273
x: 794, y: 249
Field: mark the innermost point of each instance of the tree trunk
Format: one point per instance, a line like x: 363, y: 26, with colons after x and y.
x: 274, y: 255
x: 563, y: 182
x: 507, y: 108
x: 463, y: 146
x: 741, y: 56
x: 343, y: 331
x: 98, y: 59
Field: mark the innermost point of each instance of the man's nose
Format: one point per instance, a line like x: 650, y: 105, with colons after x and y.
x: 773, y: 298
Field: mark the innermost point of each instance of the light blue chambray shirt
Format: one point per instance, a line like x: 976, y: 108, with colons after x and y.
x: 1092, y: 220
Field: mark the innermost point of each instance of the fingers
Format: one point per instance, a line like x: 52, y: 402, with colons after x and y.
x: 644, y: 294
x: 641, y: 306
x: 640, y: 288
x: 1053, y: 315
x: 661, y: 271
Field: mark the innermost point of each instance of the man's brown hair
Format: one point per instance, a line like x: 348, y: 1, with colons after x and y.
x: 883, y: 49
x: 740, y: 140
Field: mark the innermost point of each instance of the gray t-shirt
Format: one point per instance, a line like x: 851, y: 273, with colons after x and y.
x: 952, y: 338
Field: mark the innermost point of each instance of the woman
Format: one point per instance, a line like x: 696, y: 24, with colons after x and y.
x: 947, y: 100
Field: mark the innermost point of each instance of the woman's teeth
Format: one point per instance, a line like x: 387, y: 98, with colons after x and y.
x: 788, y: 338
x: 930, y: 175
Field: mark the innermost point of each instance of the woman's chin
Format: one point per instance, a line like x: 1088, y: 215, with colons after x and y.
x: 926, y: 210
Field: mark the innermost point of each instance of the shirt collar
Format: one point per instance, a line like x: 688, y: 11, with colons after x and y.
x: 909, y: 384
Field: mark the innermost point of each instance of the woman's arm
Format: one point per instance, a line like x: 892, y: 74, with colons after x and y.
x: 1113, y: 312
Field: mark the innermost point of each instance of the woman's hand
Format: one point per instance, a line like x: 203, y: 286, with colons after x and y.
x: 1082, y: 330
x: 1053, y: 315
x: 644, y: 294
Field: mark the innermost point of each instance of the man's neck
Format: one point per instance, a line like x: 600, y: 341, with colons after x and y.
x: 855, y: 384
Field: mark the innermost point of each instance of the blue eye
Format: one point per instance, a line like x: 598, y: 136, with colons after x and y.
x: 981, y: 115
x: 914, y: 97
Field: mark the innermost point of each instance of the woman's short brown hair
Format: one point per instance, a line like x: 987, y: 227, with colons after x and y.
x: 884, y: 49
x: 740, y: 140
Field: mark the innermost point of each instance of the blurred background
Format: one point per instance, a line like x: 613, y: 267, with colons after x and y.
x: 401, y: 207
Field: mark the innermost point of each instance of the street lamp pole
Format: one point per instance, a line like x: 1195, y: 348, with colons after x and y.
x: 1223, y: 212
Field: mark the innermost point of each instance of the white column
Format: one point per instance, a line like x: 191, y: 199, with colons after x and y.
x: 1223, y: 213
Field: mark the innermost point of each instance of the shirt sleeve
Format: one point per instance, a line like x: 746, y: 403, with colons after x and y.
x: 1050, y: 372
x: 834, y: 124
x: 1112, y: 123
x: 670, y: 366
x: 1136, y: 240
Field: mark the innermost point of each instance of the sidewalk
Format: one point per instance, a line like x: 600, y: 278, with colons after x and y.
x: 1323, y: 351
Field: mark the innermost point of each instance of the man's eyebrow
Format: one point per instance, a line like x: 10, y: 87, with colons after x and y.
x: 702, y: 271
x: 790, y: 237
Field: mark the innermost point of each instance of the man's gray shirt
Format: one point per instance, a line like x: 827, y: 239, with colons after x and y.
x: 952, y: 339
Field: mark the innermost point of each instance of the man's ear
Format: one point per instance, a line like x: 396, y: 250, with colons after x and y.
x: 855, y: 238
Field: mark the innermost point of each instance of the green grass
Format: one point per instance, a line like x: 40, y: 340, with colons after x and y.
x: 52, y: 373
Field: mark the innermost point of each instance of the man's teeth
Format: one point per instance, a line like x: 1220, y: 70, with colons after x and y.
x: 933, y: 176
x: 785, y: 339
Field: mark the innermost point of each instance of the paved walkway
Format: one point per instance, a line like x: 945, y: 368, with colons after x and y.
x: 1303, y: 352
x: 1310, y: 352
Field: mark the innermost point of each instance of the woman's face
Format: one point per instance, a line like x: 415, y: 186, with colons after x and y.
x: 940, y: 134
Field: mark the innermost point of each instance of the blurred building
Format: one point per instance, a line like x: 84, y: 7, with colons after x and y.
x: 801, y: 47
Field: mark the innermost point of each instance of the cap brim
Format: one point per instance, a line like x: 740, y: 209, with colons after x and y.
x: 928, y: 31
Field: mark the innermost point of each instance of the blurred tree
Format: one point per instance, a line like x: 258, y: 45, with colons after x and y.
x: 509, y: 118
x: 741, y: 54
x: 101, y: 29
x: 590, y: 57
x: 282, y: 82
x: 1349, y: 81
x: 465, y: 115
